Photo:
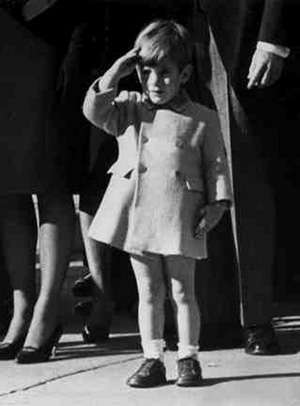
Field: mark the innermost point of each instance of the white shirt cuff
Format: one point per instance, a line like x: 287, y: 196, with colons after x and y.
x: 275, y: 49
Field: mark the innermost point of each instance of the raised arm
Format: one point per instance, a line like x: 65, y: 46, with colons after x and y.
x: 101, y: 106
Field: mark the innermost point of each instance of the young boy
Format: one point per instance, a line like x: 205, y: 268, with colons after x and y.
x: 169, y: 187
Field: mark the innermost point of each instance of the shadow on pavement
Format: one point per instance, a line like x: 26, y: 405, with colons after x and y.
x: 119, y: 345
x: 215, y: 381
x: 289, y: 341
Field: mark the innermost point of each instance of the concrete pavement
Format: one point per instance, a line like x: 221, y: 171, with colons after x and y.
x: 82, y: 374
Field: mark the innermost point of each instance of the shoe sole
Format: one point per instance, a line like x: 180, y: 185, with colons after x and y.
x: 263, y: 353
x: 187, y: 384
x: 146, y: 385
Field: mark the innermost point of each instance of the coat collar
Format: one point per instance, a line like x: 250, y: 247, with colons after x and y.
x: 178, y: 104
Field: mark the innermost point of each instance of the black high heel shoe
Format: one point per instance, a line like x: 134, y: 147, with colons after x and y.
x: 31, y: 355
x: 10, y: 350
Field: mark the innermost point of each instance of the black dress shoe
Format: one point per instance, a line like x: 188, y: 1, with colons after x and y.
x: 95, y: 335
x: 10, y: 350
x: 83, y: 287
x: 261, y: 340
x: 189, y: 372
x: 32, y: 355
x: 151, y: 373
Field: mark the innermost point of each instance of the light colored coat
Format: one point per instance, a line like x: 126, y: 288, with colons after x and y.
x: 172, y: 162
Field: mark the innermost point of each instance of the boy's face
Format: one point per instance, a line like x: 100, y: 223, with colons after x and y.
x: 161, y: 82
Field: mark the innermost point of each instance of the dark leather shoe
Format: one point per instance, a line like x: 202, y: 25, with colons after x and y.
x: 189, y: 372
x: 95, y: 335
x: 10, y: 350
x: 151, y: 373
x: 83, y: 287
x: 261, y: 340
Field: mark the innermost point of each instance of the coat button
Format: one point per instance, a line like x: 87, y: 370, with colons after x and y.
x: 180, y: 143
x: 142, y: 169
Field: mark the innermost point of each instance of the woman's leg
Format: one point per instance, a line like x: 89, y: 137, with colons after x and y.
x: 57, y: 220
x: 99, y: 256
x: 18, y: 236
x: 99, y: 259
x: 181, y: 277
x: 151, y: 289
x: 6, y: 297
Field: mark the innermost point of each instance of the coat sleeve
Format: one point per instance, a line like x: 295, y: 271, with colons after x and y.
x: 106, y: 110
x: 272, y: 28
x: 280, y: 23
x: 215, y: 165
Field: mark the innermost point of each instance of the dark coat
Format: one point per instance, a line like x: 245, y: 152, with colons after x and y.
x: 48, y: 59
x: 42, y: 81
x: 237, y: 25
x: 23, y: 106
x: 254, y: 127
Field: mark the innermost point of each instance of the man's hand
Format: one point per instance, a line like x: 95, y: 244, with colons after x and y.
x: 210, y: 216
x: 265, y: 69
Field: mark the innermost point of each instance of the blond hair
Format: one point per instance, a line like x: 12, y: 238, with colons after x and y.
x: 165, y: 38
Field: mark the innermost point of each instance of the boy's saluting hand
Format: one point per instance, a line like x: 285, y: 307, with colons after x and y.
x: 122, y: 67
x: 210, y: 216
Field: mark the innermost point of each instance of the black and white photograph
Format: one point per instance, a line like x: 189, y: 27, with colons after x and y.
x: 149, y: 202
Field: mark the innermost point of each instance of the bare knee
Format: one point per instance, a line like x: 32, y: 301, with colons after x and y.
x: 152, y: 294
x: 182, y: 296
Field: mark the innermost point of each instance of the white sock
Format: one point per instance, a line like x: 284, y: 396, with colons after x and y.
x: 187, y: 351
x: 153, y: 348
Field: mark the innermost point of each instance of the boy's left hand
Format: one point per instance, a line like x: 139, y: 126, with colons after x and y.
x: 210, y: 217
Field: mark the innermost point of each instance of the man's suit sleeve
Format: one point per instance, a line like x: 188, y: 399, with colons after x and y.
x: 272, y: 29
